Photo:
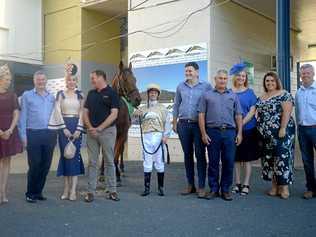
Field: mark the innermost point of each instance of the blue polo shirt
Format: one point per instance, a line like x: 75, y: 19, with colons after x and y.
x: 220, y: 108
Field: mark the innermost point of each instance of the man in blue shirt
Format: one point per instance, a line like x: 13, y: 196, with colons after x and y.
x: 36, y: 108
x: 306, y: 119
x: 220, y: 120
x: 185, y: 123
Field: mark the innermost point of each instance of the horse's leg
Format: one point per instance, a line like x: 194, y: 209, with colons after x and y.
x: 101, y: 175
x: 122, y: 159
x: 116, y: 162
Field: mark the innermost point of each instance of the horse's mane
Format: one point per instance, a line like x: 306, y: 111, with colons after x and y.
x: 117, y: 77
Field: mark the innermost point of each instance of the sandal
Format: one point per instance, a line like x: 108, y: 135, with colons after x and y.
x: 236, y: 188
x: 245, y: 190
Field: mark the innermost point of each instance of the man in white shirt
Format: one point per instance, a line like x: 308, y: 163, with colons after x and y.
x: 306, y: 119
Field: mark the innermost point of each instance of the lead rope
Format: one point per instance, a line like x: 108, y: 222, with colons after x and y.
x: 160, y: 145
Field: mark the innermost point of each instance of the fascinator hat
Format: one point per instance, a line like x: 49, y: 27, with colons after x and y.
x: 237, y: 68
x: 4, y: 70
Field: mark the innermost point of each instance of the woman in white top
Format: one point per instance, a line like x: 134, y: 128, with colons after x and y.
x: 67, y: 118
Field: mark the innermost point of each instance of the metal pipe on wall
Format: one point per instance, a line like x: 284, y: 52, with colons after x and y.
x: 283, y: 42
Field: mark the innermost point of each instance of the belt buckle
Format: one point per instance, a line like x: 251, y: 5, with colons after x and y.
x: 223, y: 127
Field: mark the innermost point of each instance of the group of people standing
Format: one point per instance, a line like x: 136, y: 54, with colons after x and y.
x: 234, y: 125
x: 40, y: 118
x: 237, y: 127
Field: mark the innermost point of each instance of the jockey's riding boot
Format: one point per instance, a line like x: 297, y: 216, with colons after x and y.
x: 160, y: 183
x: 147, y: 176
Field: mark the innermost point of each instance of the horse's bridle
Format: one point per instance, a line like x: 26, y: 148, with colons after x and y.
x: 126, y: 94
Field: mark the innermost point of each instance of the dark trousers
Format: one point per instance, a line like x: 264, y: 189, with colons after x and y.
x: 191, y: 142
x: 222, y: 147
x: 40, y: 148
x: 307, y: 140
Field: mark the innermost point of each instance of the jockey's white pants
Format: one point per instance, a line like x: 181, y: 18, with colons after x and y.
x: 151, y: 142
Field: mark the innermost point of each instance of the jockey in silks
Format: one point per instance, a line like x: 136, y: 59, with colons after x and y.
x: 156, y: 128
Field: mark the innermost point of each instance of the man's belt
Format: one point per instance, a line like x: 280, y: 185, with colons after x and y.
x: 188, y: 120
x: 222, y: 127
x: 308, y: 126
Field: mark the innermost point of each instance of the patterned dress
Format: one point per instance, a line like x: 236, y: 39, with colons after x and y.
x: 277, y: 153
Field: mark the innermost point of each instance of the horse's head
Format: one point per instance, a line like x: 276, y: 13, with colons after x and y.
x: 124, y: 83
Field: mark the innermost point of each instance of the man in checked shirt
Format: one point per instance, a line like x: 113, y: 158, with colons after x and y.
x: 185, y: 123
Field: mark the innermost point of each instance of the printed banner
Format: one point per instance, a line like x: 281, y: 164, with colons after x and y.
x: 165, y: 67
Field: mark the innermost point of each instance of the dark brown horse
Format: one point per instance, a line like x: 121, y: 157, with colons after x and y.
x: 124, y: 83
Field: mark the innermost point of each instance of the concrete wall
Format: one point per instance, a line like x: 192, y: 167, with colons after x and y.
x: 62, y: 35
x: 21, y: 31
x: 239, y: 33
x: 304, y: 12
x: 102, y: 55
x: 231, y: 31
x: 107, y: 52
x: 196, y: 30
x: 68, y: 33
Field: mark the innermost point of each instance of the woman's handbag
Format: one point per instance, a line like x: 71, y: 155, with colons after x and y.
x: 70, y: 149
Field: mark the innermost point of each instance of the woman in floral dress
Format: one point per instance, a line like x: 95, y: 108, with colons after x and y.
x: 277, y: 128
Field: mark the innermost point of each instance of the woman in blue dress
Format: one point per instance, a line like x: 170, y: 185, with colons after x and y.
x: 277, y: 129
x: 67, y: 118
x: 247, y: 151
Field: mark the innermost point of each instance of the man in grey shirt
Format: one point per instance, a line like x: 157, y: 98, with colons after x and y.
x: 220, y: 121
x: 185, y: 123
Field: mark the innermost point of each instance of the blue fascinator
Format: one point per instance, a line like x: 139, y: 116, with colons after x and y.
x: 237, y: 68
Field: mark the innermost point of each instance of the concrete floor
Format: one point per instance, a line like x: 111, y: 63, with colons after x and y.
x: 173, y: 215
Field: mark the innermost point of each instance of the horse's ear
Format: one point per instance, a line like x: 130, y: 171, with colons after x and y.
x: 121, y: 66
x: 130, y: 66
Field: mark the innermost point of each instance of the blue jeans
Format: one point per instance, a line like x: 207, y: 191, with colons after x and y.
x: 307, y: 140
x: 191, y: 142
x: 40, y: 148
x: 222, y: 147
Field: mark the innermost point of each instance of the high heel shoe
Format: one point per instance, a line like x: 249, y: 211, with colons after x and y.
x: 274, y: 191
x: 73, y: 197
x: 284, y: 191
x: 64, y: 197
